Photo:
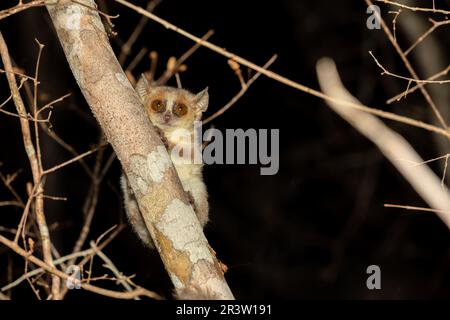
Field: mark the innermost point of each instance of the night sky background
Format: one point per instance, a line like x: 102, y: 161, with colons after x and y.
x: 309, y: 231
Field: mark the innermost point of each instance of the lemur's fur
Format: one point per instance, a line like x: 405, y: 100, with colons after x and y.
x: 170, y: 109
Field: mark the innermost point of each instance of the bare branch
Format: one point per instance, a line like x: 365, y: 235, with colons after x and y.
x: 110, y: 265
x: 406, y: 207
x: 418, y: 9
x: 244, y: 88
x: 21, y: 7
x: 169, y: 72
x: 75, y: 159
x: 411, y: 90
x: 126, y: 47
x: 436, y: 24
x: 385, y: 71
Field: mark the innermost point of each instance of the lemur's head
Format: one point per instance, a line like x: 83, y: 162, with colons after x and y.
x: 169, y: 107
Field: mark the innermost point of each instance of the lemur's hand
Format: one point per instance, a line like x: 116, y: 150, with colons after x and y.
x: 163, y: 137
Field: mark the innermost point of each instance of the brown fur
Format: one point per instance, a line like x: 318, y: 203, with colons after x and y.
x: 190, y: 174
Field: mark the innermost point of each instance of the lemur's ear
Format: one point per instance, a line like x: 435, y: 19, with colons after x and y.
x: 142, y: 87
x: 202, y: 100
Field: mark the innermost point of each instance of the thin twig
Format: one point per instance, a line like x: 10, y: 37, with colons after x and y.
x: 394, y: 22
x: 90, y: 203
x: 388, y: 205
x: 126, y: 47
x: 22, y: 75
x: 75, y: 159
x: 7, y: 181
x: 21, y: 7
x: 119, y: 275
x: 51, y: 103
x: 411, y: 90
x: 35, y: 107
x: 243, y: 90
x: 23, y: 218
x: 385, y: 71
x: 419, y: 9
x: 415, y: 164
x: 137, y: 59
x: 11, y: 203
x: 170, y: 72
x: 435, y: 25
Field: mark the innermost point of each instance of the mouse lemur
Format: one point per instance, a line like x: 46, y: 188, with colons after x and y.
x: 170, y: 109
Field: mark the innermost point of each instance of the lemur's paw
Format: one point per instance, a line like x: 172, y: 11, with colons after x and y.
x: 191, y: 200
x: 162, y: 137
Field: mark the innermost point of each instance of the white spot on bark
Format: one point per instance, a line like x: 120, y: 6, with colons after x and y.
x: 73, y: 20
x: 136, y: 175
x: 178, y: 224
x: 158, y: 161
x: 145, y: 171
x: 142, y: 184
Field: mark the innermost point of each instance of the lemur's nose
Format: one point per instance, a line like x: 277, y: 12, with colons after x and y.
x: 167, y: 117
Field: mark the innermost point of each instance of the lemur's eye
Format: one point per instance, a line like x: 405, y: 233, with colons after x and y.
x: 158, y: 106
x: 180, y: 109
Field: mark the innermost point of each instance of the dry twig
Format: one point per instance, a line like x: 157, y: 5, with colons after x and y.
x: 418, y: 9
x: 244, y: 87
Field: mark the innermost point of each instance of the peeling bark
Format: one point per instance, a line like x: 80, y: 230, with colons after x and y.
x: 163, y: 203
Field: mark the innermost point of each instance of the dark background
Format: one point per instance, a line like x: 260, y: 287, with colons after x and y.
x: 309, y: 231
